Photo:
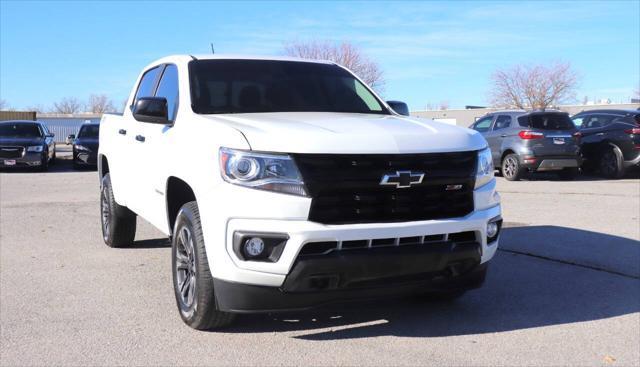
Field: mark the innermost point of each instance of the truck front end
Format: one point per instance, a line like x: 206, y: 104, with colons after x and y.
x: 303, y: 230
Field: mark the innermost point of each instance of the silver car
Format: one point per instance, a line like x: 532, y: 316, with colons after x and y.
x: 523, y: 142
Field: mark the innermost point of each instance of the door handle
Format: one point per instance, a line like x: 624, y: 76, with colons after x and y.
x: 600, y: 134
x: 140, y: 138
x: 503, y: 135
x: 122, y: 132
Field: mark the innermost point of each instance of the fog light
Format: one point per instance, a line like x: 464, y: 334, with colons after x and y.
x: 254, y: 246
x: 492, y: 229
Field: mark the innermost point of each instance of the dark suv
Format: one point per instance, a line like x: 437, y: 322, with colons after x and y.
x: 524, y: 142
x: 610, y: 140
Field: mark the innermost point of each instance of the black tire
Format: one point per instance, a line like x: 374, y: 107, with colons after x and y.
x: 118, y: 222
x: 568, y: 174
x: 54, y: 157
x: 44, y: 162
x: 610, y: 163
x: 76, y: 166
x: 192, y: 280
x: 511, y: 168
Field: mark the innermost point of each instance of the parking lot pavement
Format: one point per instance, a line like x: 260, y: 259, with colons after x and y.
x: 67, y: 299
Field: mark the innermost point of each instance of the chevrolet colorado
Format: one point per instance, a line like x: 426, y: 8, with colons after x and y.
x: 285, y: 184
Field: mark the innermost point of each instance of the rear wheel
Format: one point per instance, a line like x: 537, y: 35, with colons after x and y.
x: 511, y: 168
x: 568, y: 173
x: 610, y: 164
x: 53, y: 157
x: 118, y: 222
x: 192, y: 280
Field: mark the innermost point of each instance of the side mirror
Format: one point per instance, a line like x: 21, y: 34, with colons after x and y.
x: 400, y: 107
x: 152, y: 110
x: 70, y: 139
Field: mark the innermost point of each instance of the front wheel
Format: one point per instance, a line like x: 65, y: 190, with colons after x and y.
x: 192, y: 280
x: 44, y: 162
x: 118, y: 222
x: 511, y: 168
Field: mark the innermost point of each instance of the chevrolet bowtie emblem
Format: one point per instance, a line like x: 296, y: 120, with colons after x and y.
x: 402, y: 179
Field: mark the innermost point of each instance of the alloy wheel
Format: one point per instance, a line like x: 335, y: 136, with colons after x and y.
x: 106, y: 214
x: 608, y: 163
x: 510, y: 167
x: 185, y: 267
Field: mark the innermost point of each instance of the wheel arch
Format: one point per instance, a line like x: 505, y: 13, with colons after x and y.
x: 178, y: 192
x: 103, y: 166
x: 506, y: 153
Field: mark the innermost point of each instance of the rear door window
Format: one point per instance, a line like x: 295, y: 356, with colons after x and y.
x: 598, y: 121
x: 502, y: 122
x: 484, y: 124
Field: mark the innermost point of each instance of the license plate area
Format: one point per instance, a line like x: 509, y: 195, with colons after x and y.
x: 9, y: 162
x: 558, y: 141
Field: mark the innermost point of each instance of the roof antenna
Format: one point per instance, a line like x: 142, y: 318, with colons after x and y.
x: 212, y: 51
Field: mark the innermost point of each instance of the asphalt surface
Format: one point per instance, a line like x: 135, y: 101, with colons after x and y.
x: 563, y: 290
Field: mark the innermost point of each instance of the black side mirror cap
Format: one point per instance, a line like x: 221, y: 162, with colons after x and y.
x: 152, y: 110
x: 400, y: 108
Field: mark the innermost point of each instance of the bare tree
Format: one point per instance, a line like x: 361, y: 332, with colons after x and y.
x: 100, y: 103
x: 3, y: 104
x: 444, y: 105
x: 533, y: 86
x: 585, y: 100
x: 345, y: 54
x: 67, y: 105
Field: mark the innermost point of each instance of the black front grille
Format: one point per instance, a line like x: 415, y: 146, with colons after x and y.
x: 345, y: 188
x: 11, y: 152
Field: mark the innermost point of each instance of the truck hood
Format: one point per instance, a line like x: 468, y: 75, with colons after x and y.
x: 328, y: 132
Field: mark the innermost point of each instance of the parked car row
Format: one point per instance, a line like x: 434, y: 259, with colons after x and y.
x: 30, y: 144
x: 606, y: 141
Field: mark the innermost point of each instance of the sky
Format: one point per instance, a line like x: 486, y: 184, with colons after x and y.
x: 430, y: 52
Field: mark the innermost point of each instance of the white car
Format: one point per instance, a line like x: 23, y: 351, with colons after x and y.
x: 287, y: 184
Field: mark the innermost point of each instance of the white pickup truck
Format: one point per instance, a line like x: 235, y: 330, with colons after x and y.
x: 285, y: 184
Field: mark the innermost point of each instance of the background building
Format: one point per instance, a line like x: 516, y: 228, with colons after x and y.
x: 468, y: 116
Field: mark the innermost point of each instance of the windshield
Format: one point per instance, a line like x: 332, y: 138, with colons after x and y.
x: 547, y: 121
x: 245, y: 86
x: 20, y: 130
x: 89, y: 131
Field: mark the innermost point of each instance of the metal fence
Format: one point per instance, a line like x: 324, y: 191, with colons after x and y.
x: 63, y: 127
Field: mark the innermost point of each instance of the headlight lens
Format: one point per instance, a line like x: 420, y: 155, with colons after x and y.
x: 35, y: 148
x: 272, y: 172
x: 484, y: 171
x: 82, y: 147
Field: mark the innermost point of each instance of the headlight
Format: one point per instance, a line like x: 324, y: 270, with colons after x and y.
x: 272, y: 172
x: 484, y: 171
x: 35, y: 148
x: 82, y: 147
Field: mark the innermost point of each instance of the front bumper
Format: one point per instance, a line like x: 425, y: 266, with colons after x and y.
x: 29, y: 159
x: 294, y: 281
x: 85, y: 158
x: 246, y: 298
